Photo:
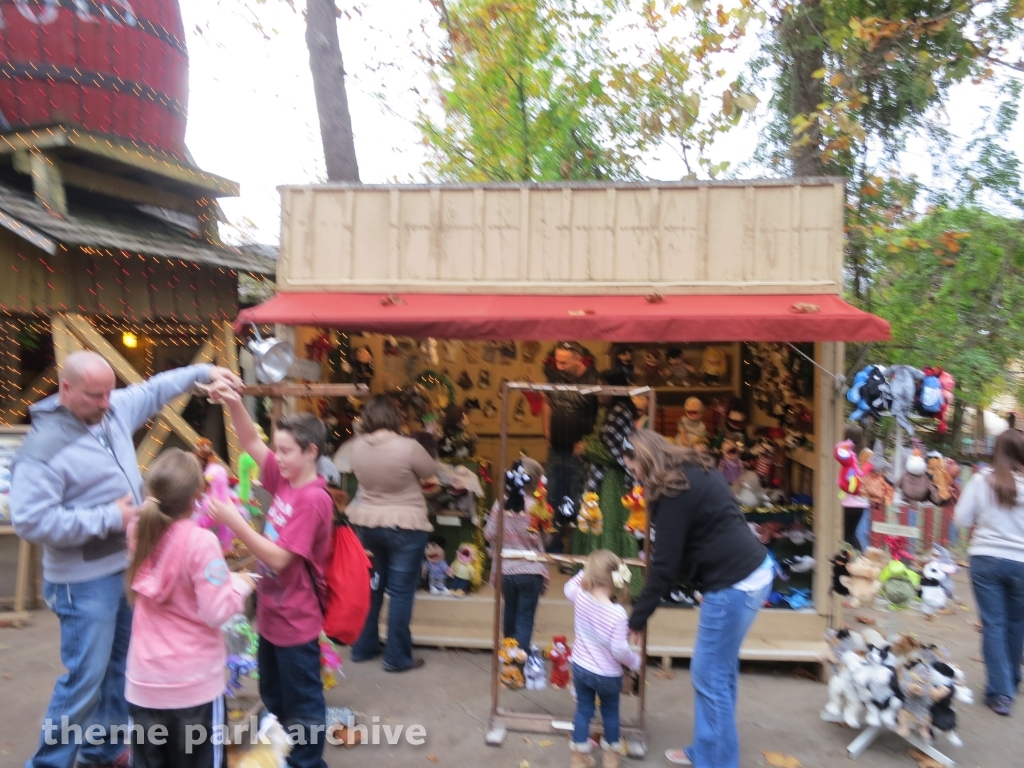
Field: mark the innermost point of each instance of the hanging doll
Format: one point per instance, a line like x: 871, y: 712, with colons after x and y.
x: 512, y: 659
x: 542, y: 515
x: 465, y: 569
x: 734, y: 427
x: 535, y: 670
x: 714, y: 365
x: 652, y: 368
x: 730, y: 465
x: 218, y: 487
x: 691, y: 428
x: 590, y: 520
x: 559, y: 654
x: 362, y: 366
x: 457, y: 441
x: 436, y: 568
x: 850, y: 473
x: 636, y: 504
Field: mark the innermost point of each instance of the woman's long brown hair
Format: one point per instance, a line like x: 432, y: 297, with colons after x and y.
x: 662, y: 463
x: 172, y: 485
x: 1007, y: 461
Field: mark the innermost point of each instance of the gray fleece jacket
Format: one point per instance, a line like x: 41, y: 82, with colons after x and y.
x: 65, y: 483
x: 998, y: 532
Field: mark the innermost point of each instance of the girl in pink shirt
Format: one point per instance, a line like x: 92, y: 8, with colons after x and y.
x: 600, y: 651
x: 183, y: 592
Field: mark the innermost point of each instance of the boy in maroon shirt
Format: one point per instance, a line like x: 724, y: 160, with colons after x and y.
x: 293, y: 552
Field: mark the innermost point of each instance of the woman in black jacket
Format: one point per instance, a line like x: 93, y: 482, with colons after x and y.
x: 700, y: 534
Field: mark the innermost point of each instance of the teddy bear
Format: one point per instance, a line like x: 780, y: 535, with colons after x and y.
x: 590, y: 519
x: 512, y: 659
x: 465, y: 569
x: 559, y: 653
x: 941, y: 481
x: 690, y: 427
x: 915, y: 689
x: 637, y: 506
x: 862, y: 581
x: 437, y: 570
x: 915, y: 485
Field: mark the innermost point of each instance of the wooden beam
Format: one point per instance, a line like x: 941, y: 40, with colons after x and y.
x: 64, y: 342
x: 90, y: 337
x: 151, y: 444
x: 44, y: 384
x: 227, y: 357
x: 307, y: 390
x: 122, y: 189
x: 46, y: 179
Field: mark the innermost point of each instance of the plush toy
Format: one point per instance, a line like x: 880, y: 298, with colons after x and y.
x: 590, y: 519
x: 748, y: 490
x: 942, y: 483
x: 714, y: 364
x: 853, y: 394
x: 948, y: 384
x: 839, y: 570
x: 690, y: 427
x: 558, y: 654
x: 535, y: 670
x: 942, y: 693
x: 248, y: 478
x: 735, y: 426
x: 862, y: 580
x: 218, y: 487
x: 541, y: 514
x: 437, y: 570
x: 948, y: 567
x: 915, y: 689
x: 676, y: 372
x: 330, y: 663
x: 765, y: 463
x: 730, y: 465
x: 843, y: 700
x: 878, y: 686
x: 271, y: 746
x: 915, y: 485
x: 850, y: 473
x: 512, y: 659
x: 465, y: 570
x: 870, y: 393
x: 899, y: 584
x: 876, y: 485
x: 636, y: 504
x: 933, y: 594
x: 651, y: 372
x: 903, y: 381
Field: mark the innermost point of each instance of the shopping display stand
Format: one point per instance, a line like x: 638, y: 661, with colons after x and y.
x: 867, y: 737
x: 502, y: 720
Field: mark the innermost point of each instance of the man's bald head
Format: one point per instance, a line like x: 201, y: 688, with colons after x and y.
x: 86, y: 381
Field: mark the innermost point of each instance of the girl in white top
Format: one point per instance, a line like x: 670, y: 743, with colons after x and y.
x: 600, y: 652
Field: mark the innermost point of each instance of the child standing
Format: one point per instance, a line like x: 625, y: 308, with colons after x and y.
x: 522, y: 581
x: 183, y: 593
x: 293, y: 552
x: 601, y: 650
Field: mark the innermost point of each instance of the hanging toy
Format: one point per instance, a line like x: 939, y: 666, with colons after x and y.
x: 589, y: 519
x: 330, y: 663
x: 636, y: 504
x: 541, y: 513
x: 248, y: 478
x: 218, y: 487
x: 850, y: 474
x: 512, y: 659
x: 559, y: 653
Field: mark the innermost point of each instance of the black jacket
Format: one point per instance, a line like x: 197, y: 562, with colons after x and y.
x: 701, y: 535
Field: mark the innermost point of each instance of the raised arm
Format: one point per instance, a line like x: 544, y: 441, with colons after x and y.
x: 139, y: 403
x: 244, y: 426
x: 969, y: 507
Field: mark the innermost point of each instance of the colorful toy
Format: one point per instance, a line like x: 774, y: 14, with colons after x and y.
x: 466, y: 570
x: 248, y: 477
x: 899, y: 584
x: 933, y: 594
x: 850, y: 473
x: 862, y: 580
x: 690, y: 428
x: 558, y: 654
x: 915, y: 688
x: 942, y: 483
x: 730, y: 465
x: 512, y: 659
x: 218, y: 487
x: 748, y: 490
x: 590, y: 519
x: 914, y: 484
x: 636, y: 504
x: 437, y: 570
x: 714, y: 364
x: 541, y: 514
x: 535, y: 670
x: 843, y: 700
x: 870, y: 393
x: 330, y: 663
x: 946, y: 686
x: 903, y: 381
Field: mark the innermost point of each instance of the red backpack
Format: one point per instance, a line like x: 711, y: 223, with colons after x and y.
x: 348, y: 588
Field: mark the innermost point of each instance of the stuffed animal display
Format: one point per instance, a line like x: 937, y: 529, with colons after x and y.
x: 636, y: 504
x: 714, y: 364
x: 558, y: 654
x: 541, y: 514
x: 437, y: 570
x: 862, y: 580
x: 748, y: 490
x: 730, y: 465
x: 902, y: 685
x: 272, y: 745
x: 590, y: 519
x: 933, y: 594
x: 535, y: 670
x: 512, y: 659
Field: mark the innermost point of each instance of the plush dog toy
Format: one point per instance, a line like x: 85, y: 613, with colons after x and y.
x: 844, y: 659
x: 748, y: 490
x: 878, y: 687
x: 637, y: 506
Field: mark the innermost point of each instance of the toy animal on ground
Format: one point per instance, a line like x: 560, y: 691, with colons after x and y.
x: 862, y: 579
x: 843, y: 657
x: 271, y: 747
x: 878, y: 686
x: 944, y: 690
x: 899, y: 584
x: 915, y: 690
x: 559, y: 653
x: 636, y: 504
x: 535, y: 670
x: 512, y: 659
x: 590, y: 520
x: 933, y: 593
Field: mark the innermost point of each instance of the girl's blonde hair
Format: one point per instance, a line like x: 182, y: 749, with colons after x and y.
x: 605, y: 570
x: 172, y: 485
x: 662, y: 463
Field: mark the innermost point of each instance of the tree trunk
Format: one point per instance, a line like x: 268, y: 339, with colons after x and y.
x: 329, y: 86
x: 803, y: 54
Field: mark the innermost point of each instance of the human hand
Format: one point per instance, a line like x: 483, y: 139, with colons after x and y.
x: 220, y: 375
x: 246, y: 577
x: 223, y: 512
x: 126, y: 505
x: 636, y: 637
x: 223, y: 392
x: 578, y: 449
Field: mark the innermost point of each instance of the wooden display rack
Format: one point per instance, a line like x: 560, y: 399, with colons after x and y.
x: 502, y: 720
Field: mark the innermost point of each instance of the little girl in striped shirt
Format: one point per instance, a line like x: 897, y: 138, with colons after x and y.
x: 600, y: 651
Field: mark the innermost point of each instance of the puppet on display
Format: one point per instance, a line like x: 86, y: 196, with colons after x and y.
x: 748, y: 490
x: 714, y: 366
x: 850, y: 473
x: 676, y: 372
x: 691, y: 429
x: 589, y: 519
x: 466, y: 570
x: 362, y: 366
x: 535, y: 670
x: 651, y: 371
x: 559, y: 654
x: 622, y: 360
x: 541, y: 514
x: 734, y: 428
x: 435, y: 567
x: 512, y: 659
x: 730, y: 465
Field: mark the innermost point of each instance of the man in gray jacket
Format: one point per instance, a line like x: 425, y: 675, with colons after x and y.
x: 75, y: 486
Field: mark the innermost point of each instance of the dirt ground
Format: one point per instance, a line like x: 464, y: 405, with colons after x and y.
x: 450, y: 697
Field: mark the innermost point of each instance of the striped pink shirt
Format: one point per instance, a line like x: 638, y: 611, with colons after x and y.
x: 601, y: 644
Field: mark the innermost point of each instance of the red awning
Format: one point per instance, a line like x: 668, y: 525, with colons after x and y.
x: 822, y: 317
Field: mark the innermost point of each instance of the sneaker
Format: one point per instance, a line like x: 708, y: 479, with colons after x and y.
x: 678, y: 757
x: 1001, y: 705
x: 416, y: 664
x: 124, y: 760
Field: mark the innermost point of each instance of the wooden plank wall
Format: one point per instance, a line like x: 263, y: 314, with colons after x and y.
x: 32, y: 282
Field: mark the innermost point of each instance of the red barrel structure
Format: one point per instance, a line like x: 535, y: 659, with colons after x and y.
x: 114, y: 67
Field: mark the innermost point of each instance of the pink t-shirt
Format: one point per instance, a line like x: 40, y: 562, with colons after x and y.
x: 299, y: 520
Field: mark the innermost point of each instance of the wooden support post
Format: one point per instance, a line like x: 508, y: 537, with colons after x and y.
x: 45, y: 384
x: 227, y: 357
x: 64, y: 342
x: 46, y: 179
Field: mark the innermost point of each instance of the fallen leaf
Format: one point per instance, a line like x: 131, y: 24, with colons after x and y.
x: 924, y: 761
x: 866, y: 620
x: 432, y: 758
x: 545, y: 743
x: 527, y: 739
x: 780, y: 760
x: 8, y: 676
x: 524, y: 764
x: 977, y: 658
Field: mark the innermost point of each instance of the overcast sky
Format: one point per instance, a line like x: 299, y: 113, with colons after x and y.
x: 252, y: 114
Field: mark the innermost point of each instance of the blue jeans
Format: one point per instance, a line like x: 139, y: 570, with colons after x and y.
x: 397, y: 559
x: 999, y: 593
x: 293, y: 692
x: 95, y: 625
x: 864, y: 530
x: 521, y: 594
x: 588, y: 685
x: 725, y: 618
x: 565, y: 475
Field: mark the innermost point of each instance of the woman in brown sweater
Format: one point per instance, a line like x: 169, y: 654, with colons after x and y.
x: 389, y: 514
